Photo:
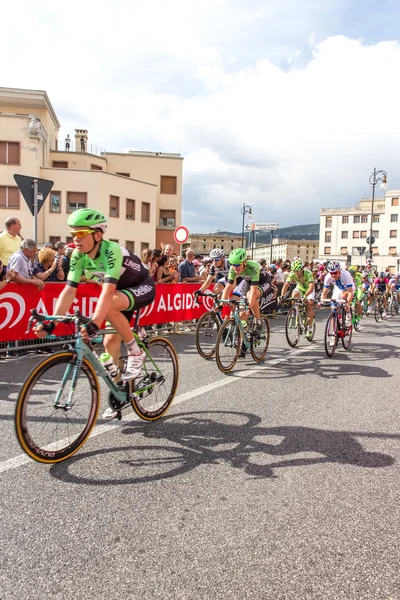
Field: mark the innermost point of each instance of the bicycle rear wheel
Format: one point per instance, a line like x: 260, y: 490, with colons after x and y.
x: 229, y: 343
x: 57, y: 408
x: 155, y: 391
x: 292, y: 328
x: 260, y: 341
x: 394, y: 306
x: 346, y: 339
x: 206, y: 334
x: 378, y: 311
x: 331, y: 335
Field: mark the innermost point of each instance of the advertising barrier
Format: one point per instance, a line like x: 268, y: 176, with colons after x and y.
x: 173, y: 303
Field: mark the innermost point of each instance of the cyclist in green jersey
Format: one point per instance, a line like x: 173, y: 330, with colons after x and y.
x: 126, y: 287
x: 358, y: 282
x: 305, y: 289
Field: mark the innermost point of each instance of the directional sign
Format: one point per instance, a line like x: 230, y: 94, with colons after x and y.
x: 370, y: 240
x: 181, y: 234
x: 25, y: 184
x: 267, y: 226
x: 251, y: 227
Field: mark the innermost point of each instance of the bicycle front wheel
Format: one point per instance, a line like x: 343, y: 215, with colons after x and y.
x: 156, y: 390
x: 292, y: 328
x: 331, y: 335
x: 260, y: 341
x: 57, y: 408
x: 229, y: 343
x: 206, y: 334
x: 378, y: 311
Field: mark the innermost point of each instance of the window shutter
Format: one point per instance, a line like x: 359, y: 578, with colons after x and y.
x: 3, y: 196
x: 13, y: 153
x: 3, y: 153
x: 13, y: 197
x: 168, y: 185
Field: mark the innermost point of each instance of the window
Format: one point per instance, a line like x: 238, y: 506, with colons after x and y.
x: 10, y: 153
x: 375, y: 219
x: 143, y: 246
x: 59, y: 164
x: 363, y: 234
x: 130, y: 246
x: 375, y: 251
x: 395, y: 201
x: 96, y: 167
x: 327, y: 250
x: 76, y: 200
x: 328, y: 221
x: 114, y: 206
x: 393, y: 233
x: 53, y: 239
x: 69, y: 239
x: 9, y: 197
x: 375, y: 234
x: 130, y: 209
x: 328, y: 236
x: 356, y: 219
x: 364, y: 218
x: 392, y: 250
x: 394, y: 218
x: 168, y: 185
x: 345, y: 235
x: 356, y: 234
x: 167, y: 218
x: 146, y: 212
x: 343, y: 250
x: 124, y: 174
x: 55, y: 202
x: 345, y: 219
x: 204, y: 246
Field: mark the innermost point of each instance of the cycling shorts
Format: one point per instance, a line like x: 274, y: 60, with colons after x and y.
x: 139, y: 296
x: 302, y: 294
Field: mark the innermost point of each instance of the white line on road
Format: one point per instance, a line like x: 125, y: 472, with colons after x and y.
x: 23, y: 459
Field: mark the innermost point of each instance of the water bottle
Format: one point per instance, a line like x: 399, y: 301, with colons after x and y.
x: 108, y: 364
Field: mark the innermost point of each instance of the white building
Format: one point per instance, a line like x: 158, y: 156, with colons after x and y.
x: 344, y: 231
x: 307, y: 250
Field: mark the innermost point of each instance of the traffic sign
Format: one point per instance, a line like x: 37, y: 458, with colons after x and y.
x: 361, y: 250
x: 181, y: 234
x: 370, y: 240
x: 267, y: 226
x: 251, y: 227
x: 27, y: 183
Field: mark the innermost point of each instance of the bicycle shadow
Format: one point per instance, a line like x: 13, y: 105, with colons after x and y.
x: 189, y: 440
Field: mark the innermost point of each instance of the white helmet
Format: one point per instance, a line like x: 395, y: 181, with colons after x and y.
x: 217, y: 253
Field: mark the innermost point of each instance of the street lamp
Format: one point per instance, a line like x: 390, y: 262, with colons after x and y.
x: 246, y: 209
x: 375, y: 177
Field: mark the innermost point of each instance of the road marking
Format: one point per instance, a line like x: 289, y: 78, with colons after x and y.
x: 23, y: 459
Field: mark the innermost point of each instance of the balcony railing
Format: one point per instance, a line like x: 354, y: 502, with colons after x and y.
x: 59, y: 146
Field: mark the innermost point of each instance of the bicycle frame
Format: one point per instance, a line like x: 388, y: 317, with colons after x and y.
x: 241, y: 304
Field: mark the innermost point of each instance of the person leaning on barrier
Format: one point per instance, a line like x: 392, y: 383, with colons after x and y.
x: 21, y: 263
x: 49, y: 267
x: 6, y: 280
x: 163, y: 274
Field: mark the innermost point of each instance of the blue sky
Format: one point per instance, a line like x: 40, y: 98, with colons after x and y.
x: 285, y: 106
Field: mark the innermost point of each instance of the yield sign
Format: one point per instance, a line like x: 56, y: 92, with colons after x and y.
x: 25, y: 184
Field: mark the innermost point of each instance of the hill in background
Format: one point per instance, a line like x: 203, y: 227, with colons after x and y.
x: 297, y: 232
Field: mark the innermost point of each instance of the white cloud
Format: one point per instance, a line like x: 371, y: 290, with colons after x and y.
x: 258, y: 117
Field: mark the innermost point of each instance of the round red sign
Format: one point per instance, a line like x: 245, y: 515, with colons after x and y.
x: 181, y: 234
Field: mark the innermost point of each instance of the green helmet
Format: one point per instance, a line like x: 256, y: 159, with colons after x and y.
x: 297, y: 265
x: 87, y: 217
x: 238, y: 256
x: 352, y: 270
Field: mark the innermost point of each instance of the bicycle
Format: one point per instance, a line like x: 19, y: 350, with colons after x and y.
x: 297, y: 323
x: 393, y: 302
x: 59, y: 401
x: 336, y: 327
x: 233, y: 338
x: 207, y: 328
x: 379, y: 308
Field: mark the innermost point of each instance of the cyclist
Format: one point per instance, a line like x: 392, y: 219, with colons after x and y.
x: 366, y: 288
x: 343, y: 286
x: 381, y: 286
x: 127, y: 287
x: 305, y: 289
x: 218, y: 272
x: 255, y: 284
x: 358, y: 292
x: 394, y: 285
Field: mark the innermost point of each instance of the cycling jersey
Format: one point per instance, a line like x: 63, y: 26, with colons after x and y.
x: 302, y: 281
x: 394, y: 282
x: 252, y: 274
x: 344, y: 282
x: 381, y: 285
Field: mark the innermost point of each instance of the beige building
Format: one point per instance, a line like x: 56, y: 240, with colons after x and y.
x: 344, y: 231
x: 203, y: 243
x: 306, y: 250
x: 139, y: 192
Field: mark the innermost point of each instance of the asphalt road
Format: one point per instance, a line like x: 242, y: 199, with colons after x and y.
x: 277, y: 481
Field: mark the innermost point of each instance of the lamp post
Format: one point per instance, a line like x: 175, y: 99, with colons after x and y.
x: 375, y: 177
x: 246, y: 209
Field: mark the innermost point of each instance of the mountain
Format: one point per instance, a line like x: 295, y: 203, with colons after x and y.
x: 297, y: 232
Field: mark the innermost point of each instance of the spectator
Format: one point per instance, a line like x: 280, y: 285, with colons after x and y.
x: 49, y: 267
x: 10, y: 241
x: 263, y: 263
x: 21, y: 263
x: 67, y: 143
x: 5, y: 280
x: 187, y: 270
x: 145, y: 257
x: 83, y: 144
x: 155, y: 257
x: 60, y: 253
x: 163, y: 274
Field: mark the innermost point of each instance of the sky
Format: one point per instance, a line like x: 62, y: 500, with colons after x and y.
x: 281, y: 105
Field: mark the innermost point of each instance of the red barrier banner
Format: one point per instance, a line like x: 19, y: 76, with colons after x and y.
x: 173, y: 303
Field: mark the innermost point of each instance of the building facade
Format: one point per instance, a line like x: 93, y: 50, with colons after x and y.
x: 139, y: 192
x: 203, y: 243
x: 344, y: 232
x: 306, y: 250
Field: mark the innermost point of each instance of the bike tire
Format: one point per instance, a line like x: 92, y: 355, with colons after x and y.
x: 260, y: 342
x: 311, y: 337
x: 331, y: 335
x: 346, y: 339
x: 378, y: 311
x: 292, y: 327
x: 46, y: 429
x: 394, y: 307
x: 206, y: 334
x: 229, y: 343
x: 155, y: 390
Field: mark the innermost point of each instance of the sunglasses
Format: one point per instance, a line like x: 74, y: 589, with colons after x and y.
x: 236, y: 266
x: 335, y: 272
x: 81, y: 233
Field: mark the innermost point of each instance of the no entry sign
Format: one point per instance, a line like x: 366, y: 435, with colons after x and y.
x: 181, y: 234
